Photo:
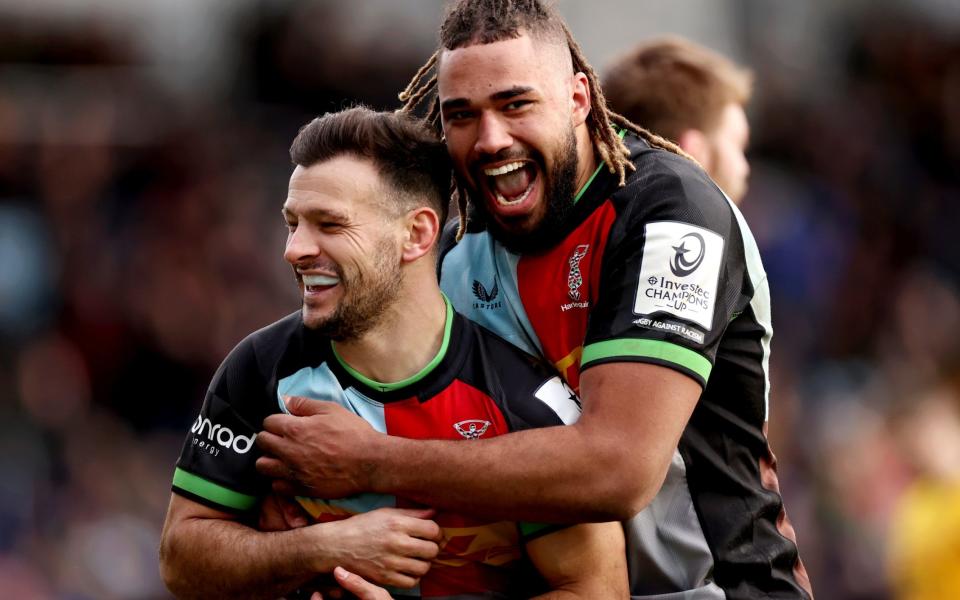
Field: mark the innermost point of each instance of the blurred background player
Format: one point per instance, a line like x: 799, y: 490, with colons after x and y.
x: 924, y: 537
x: 691, y: 95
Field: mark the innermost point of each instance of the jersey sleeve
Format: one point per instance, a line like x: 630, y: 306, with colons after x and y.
x: 216, y: 465
x: 673, y: 272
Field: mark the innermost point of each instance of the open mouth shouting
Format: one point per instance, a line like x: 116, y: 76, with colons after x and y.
x: 511, y: 187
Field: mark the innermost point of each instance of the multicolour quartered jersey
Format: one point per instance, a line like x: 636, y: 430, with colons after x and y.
x: 478, y: 386
x: 662, y: 271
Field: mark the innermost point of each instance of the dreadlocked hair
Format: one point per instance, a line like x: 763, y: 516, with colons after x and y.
x: 469, y: 22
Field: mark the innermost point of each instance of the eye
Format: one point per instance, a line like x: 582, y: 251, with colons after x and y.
x: 516, y: 104
x: 458, y: 115
x: 291, y: 225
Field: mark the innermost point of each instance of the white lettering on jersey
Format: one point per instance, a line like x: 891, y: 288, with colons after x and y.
x: 223, y: 436
x: 679, y: 272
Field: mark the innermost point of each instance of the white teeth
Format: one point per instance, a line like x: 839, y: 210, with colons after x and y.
x: 503, y: 169
x: 517, y: 200
x: 323, y: 280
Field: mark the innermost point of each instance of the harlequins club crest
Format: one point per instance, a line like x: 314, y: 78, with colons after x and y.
x: 574, y: 278
x: 472, y: 428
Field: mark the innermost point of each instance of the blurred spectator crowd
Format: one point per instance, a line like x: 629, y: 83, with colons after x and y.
x: 140, y: 239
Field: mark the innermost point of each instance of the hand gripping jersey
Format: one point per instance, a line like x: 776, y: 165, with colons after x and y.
x: 662, y: 271
x: 478, y: 386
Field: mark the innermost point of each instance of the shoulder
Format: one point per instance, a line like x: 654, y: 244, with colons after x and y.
x: 667, y: 186
x: 494, y: 349
x: 272, y: 340
x: 255, y: 357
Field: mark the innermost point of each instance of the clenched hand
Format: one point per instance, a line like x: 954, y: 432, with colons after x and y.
x: 389, y: 546
x: 320, y: 449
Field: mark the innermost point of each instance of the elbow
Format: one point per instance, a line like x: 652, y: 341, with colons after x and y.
x: 629, y: 486
x: 170, y: 571
x: 621, y: 500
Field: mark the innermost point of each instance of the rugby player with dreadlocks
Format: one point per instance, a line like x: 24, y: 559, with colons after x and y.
x: 604, y: 248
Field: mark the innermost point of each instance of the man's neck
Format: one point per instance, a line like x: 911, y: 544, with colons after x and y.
x: 407, y: 339
x: 586, y: 157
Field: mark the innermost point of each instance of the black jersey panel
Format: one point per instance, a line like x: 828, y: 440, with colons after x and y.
x: 673, y: 267
x: 219, y: 454
x: 738, y: 516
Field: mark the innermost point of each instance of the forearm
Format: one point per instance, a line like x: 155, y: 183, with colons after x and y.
x: 205, y: 558
x: 566, y: 595
x: 555, y: 474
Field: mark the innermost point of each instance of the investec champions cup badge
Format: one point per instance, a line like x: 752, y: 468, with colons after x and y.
x: 575, y: 279
x: 681, y: 264
x: 679, y: 278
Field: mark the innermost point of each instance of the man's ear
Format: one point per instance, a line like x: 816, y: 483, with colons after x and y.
x: 580, y: 98
x: 695, y: 143
x: 422, y: 232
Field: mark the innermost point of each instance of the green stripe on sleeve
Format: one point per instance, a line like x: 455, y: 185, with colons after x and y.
x: 532, y: 531
x: 528, y: 529
x: 657, y: 349
x: 211, y: 491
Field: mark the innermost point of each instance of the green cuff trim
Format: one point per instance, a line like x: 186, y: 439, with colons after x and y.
x: 211, y: 491
x: 658, y: 349
x: 532, y: 529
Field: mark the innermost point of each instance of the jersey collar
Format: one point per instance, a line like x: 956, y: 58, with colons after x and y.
x: 401, y: 386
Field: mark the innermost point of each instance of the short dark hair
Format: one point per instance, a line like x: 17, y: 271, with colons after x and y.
x: 408, y: 155
x: 670, y: 84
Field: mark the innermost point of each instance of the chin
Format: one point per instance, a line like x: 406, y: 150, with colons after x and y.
x: 313, y: 319
x: 517, y: 219
x: 518, y: 226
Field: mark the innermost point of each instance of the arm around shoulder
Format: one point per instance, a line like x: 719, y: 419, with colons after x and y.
x: 607, y: 466
x: 634, y: 415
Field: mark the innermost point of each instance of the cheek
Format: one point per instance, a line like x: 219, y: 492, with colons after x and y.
x: 730, y: 160
x: 459, y: 142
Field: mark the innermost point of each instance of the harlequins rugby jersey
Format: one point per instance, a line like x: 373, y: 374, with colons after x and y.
x: 662, y: 271
x: 478, y: 386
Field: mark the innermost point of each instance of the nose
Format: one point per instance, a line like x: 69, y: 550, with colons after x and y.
x: 492, y: 135
x: 301, y: 245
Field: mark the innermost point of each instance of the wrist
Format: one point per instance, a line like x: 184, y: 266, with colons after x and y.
x: 380, y: 463
x: 319, y: 551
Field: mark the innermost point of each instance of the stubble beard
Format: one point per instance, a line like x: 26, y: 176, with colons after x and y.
x: 367, y: 298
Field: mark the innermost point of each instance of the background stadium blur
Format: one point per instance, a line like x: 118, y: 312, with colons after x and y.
x: 143, y: 162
